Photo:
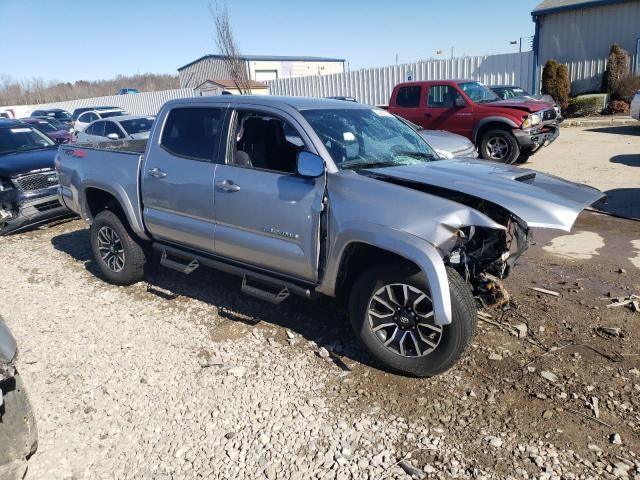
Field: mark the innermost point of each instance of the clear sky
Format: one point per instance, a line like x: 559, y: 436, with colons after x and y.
x: 70, y: 40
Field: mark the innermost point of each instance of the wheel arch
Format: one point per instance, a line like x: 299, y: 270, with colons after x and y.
x: 97, y: 198
x: 357, y: 249
x: 490, y: 123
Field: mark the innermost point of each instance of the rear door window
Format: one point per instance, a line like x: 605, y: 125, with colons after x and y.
x: 409, y: 97
x: 193, y: 132
x: 111, y: 127
x: 96, y: 128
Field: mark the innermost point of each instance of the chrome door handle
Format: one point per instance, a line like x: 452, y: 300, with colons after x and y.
x: 157, y: 173
x: 228, y: 186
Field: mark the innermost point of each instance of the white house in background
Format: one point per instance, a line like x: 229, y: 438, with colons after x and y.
x: 216, y: 87
x: 259, y: 68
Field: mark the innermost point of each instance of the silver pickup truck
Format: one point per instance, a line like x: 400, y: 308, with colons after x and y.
x: 319, y: 197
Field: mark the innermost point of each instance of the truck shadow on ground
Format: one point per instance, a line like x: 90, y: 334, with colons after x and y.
x: 623, y: 202
x: 631, y: 160
x: 324, y: 321
x: 633, y: 130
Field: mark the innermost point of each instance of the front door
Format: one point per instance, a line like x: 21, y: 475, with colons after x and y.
x: 266, y: 215
x: 445, y: 114
x: 177, y: 177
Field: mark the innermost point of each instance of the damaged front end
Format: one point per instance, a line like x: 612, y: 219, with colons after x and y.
x: 485, y: 256
x: 28, y: 200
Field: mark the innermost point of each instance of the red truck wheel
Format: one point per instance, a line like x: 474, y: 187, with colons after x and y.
x: 500, y: 146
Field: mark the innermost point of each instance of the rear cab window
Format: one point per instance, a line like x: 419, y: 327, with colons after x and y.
x: 193, y: 132
x: 409, y: 96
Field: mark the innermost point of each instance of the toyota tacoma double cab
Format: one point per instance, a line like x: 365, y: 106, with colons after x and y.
x: 319, y: 197
x: 507, y: 131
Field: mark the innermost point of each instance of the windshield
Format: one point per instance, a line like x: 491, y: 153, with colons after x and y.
x: 478, y: 92
x: 44, y: 126
x: 22, y: 139
x: 362, y: 138
x: 137, y: 125
x: 60, y: 115
x: 111, y: 114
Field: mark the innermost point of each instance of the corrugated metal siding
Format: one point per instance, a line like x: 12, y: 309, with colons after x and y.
x: 207, y: 69
x: 374, y: 85
x: 146, y: 103
x: 581, y: 39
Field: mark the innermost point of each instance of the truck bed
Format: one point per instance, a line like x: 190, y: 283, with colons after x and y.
x: 111, y: 170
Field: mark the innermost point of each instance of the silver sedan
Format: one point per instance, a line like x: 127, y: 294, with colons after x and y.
x: 124, y: 127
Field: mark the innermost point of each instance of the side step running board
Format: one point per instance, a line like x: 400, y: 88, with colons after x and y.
x: 175, y: 264
x: 278, y: 295
x: 262, y: 285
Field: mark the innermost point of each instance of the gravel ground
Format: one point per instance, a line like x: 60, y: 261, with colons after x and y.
x: 184, y: 377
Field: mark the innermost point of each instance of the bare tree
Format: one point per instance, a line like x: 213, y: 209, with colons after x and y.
x: 235, y: 65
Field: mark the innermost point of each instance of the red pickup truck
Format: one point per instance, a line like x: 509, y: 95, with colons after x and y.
x: 503, y: 130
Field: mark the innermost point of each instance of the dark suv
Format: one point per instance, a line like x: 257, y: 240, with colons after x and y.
x: 28, y: 181
x: 58, y: 113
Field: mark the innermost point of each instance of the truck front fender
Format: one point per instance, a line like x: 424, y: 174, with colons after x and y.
x: 117, y: 191
x: 423, y: 254
x: 485, y: 121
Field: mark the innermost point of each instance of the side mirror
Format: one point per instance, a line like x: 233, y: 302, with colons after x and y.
x: 460, y: 102
x: 113, y: 136
x: 309, y: 165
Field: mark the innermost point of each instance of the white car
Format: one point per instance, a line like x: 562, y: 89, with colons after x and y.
x: 635, y: 106
x: 86, y: 118
x: 124, y: 127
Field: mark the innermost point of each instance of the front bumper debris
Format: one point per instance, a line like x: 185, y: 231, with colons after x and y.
x: 537, y: 138
x: 20, y: 210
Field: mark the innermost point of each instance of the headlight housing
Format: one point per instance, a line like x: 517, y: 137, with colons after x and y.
x: 5, y: 184
x: 532, y: 120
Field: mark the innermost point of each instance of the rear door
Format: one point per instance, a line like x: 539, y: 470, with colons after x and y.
x: 177, y: 175
x: 443, y: 112
x: 266, y: 215
x: 408, y: 104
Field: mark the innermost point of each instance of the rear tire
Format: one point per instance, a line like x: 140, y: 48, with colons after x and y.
x: 117, y: 251
x: 426, y: 349
x: 499, y: 146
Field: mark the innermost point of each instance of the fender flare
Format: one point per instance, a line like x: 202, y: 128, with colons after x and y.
x: 422, y: 253
x: 118, y: 192
x: 496, y: 119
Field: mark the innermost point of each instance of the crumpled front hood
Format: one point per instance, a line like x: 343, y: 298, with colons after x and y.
x: 24, y: 162
x: 540, y: 200
x: 530, y: 106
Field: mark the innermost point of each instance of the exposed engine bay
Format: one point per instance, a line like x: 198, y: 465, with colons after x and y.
x: 482, y: 256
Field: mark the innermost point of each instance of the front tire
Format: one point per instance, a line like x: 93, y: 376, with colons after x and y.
x: 500, y: 146
x: 392, y: 315
x: 119, y: 254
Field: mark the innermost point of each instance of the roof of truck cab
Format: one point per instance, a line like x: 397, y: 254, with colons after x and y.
x: 298, y: 103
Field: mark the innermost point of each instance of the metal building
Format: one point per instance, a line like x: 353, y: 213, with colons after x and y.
x: 579, y: 33
x: 259, y: 67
